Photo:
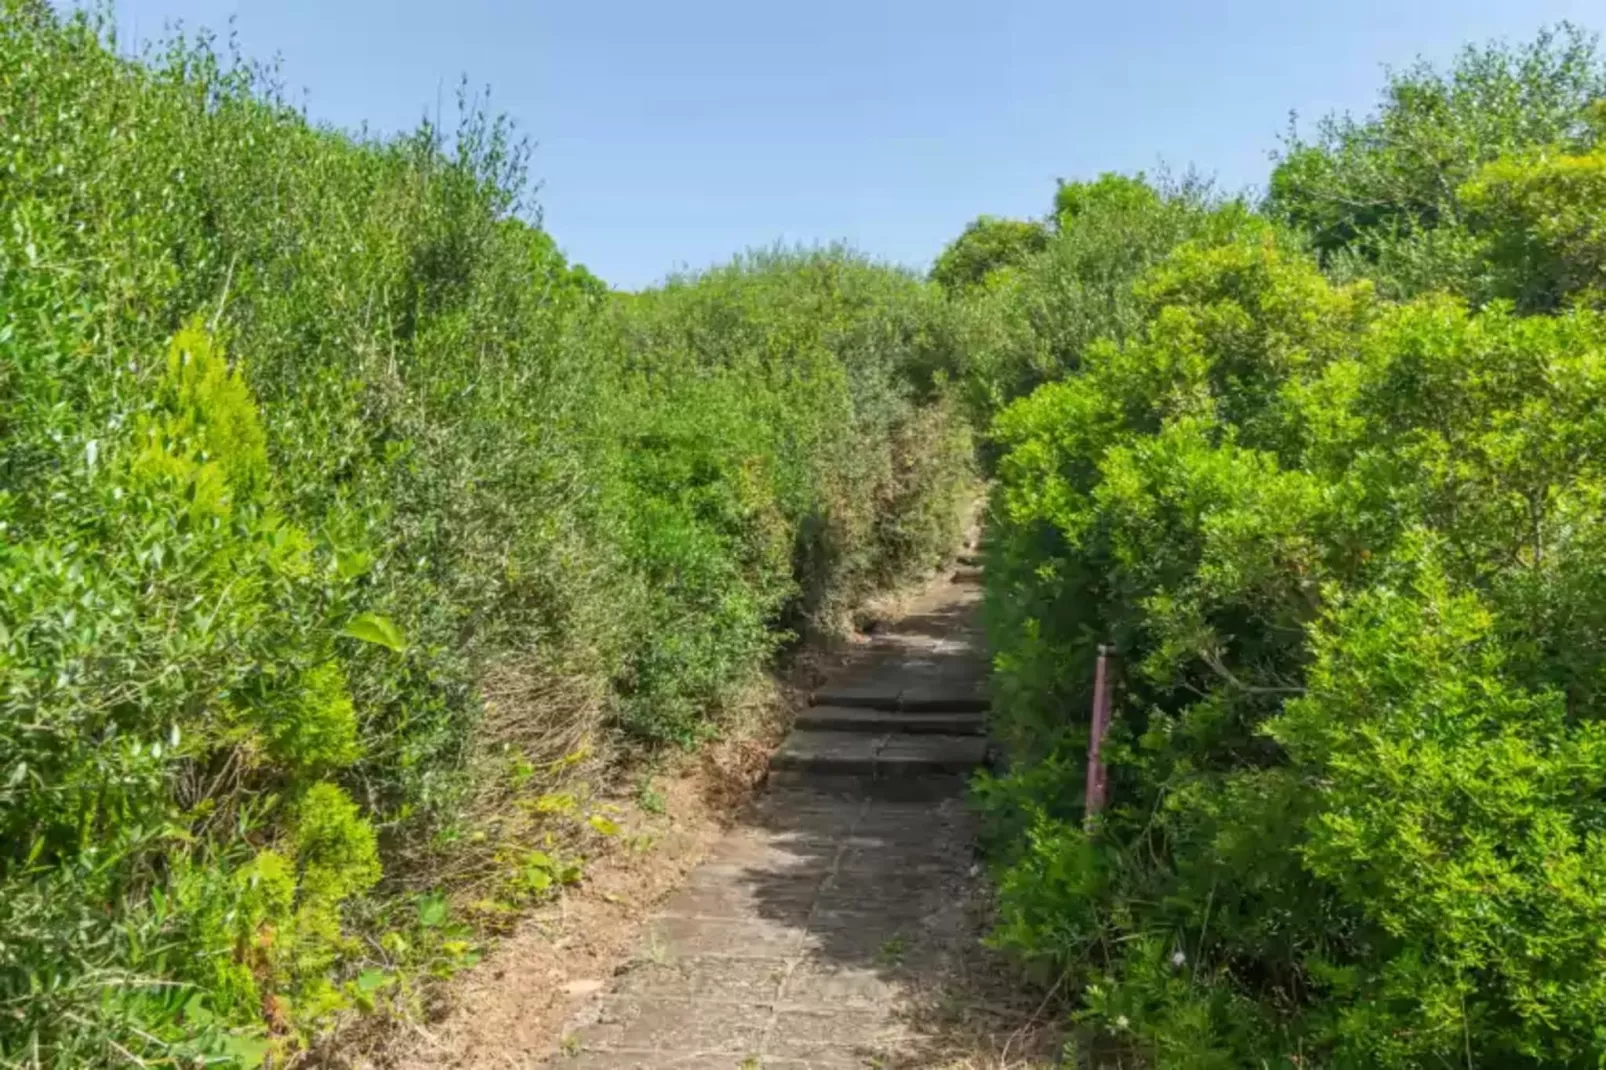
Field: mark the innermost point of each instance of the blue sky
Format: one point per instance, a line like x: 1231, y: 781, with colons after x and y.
x: 672, y: 134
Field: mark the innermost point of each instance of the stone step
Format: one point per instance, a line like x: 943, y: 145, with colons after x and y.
x: 886, y: 756
x: 973, y: 560
x: 870, y: 695
x: 909, y: 755
x: 933, y: 788
x: 930, y: 696
x: 966, y: 574
x: 850, y: 719
x: 955, y: 702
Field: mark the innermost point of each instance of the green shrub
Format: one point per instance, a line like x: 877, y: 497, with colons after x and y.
x: 789, y: 451
x: 1034, y: 322
x: 1350, y: 556
x: 1456, y: 821
x: 1537, y: 217
x: 1382, y: 197
x: 986, y: 246
x: 303, y: 437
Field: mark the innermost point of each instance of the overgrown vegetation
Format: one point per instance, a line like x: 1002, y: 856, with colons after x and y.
x: 339, y: 515
x: 341, y: 519
x: 1028, y: 320
x: 1327, y: 474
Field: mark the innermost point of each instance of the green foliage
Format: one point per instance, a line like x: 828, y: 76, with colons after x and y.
x: 335, y: 848
x: 1113, y: 194
x: 987, y: 245
x: 302, y: 439
x: 1469, y: 854
x: 318, y: 728
x: 1382, y: 196
x: 1538, y: 216
x: 336, y: 858
x: 1032, y: 325
x: 788, y: 452
x: 1350, y: 555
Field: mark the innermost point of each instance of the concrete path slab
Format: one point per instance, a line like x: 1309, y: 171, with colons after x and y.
x: 831, y: 911
x: 846, y: 719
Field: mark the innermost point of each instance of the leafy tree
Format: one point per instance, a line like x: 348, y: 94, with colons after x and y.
x: 1033, y: 325
x: 1381, y: 195
x: 1538, y: 218
x: 988, y: 244
x: 1110, y: 193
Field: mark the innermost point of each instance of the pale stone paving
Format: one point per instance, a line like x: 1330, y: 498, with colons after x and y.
x: 811, y: 934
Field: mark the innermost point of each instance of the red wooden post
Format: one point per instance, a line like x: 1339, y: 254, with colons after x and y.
x: 1097, y: 776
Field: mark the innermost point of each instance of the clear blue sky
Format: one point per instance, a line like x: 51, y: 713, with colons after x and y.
x: 675, y: 132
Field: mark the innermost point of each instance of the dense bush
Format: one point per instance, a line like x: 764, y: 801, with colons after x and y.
x: 303, y: 439
x: 1535, y: 219
x: 1350, y: 556
x: 1350, y: 553
x: 1382, y: 197
x: 785, y: 454
x: 987, y: 245
x: 1029, y: 321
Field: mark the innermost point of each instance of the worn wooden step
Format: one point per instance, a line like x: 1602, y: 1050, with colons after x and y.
x: 887, y: 756
x: 850, y: 719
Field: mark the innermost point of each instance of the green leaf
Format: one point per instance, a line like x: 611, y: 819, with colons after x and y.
x: 431, y: 910
x: 603, y: 825
x: 196, y: 1013
x: 371, y: 981
x: 249, y: 1052
x: 372, y: 628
